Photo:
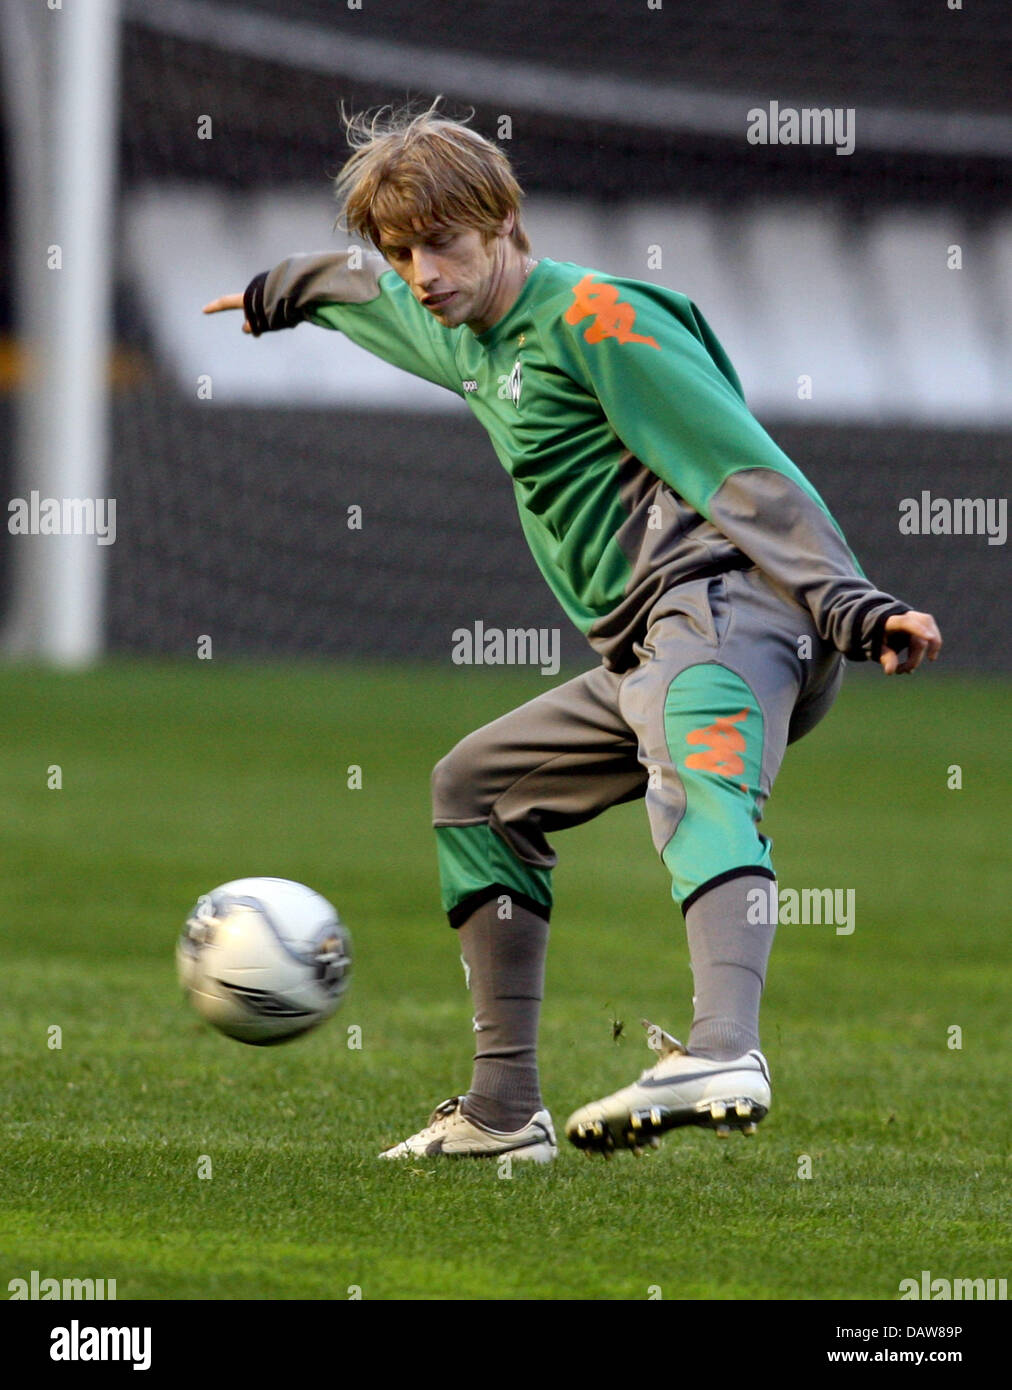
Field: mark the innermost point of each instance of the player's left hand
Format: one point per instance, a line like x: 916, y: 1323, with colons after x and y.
x: 924, y: 640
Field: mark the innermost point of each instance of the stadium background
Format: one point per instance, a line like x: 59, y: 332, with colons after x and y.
x: 232, y: 511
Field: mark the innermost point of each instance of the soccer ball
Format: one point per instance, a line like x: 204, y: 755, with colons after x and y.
x: 264, y: 959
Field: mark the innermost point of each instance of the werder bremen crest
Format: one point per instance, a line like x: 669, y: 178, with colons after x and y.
x: 512, y: 385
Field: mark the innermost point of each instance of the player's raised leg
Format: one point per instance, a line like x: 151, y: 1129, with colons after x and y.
x: 715, y: 709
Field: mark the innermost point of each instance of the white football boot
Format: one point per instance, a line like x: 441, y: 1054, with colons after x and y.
x: 454, y: 1135
x: 680, y: 1089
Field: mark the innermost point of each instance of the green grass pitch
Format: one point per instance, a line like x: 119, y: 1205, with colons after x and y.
x: 178, y: 777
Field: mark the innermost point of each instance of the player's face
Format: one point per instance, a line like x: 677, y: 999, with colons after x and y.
x: 454, y: 272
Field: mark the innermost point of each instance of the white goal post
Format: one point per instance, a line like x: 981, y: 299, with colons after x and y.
x: 60, y: 87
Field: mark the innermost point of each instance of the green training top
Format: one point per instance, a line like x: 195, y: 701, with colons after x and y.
x: 636, y: 463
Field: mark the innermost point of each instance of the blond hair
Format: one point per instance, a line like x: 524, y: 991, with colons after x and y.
x: 418, y: 172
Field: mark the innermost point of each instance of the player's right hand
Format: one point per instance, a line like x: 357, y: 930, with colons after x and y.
x: 227, y: 301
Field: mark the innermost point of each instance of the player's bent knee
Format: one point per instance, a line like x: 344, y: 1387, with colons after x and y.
x: 454, y: 786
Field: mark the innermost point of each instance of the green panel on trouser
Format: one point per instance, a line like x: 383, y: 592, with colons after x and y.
x: 472, y: 857
x: 714, y: 730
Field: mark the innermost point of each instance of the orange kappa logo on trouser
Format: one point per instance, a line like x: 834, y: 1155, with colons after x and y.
x: 612, y: 317
x: 724, y: 745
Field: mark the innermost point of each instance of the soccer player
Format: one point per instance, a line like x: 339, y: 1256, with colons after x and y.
x: 704, y: 569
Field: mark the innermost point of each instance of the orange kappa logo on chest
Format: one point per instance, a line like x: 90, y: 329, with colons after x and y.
x: 613, y: 318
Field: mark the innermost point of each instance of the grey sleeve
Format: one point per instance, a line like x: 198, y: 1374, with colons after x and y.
x: 286, y: 295
x: 800, y: 549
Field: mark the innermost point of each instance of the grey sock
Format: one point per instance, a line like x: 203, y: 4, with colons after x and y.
x: 729, y: 950
x: 505, y: 960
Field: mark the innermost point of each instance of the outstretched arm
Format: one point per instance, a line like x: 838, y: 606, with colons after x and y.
x: 357, y: 293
